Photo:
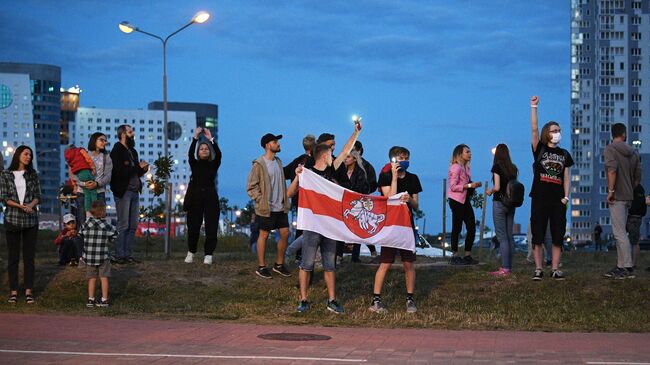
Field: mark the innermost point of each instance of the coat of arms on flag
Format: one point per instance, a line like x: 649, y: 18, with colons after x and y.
x: 344, y: 215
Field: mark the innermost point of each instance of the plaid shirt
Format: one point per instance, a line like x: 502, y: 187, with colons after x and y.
x: 96, y: 233
x: 13, y: 215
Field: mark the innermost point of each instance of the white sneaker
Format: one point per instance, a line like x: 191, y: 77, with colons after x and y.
x: 189, y: 258
x: 207, y: 260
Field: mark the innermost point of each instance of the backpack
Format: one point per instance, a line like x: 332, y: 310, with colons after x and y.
x: 513, y: 196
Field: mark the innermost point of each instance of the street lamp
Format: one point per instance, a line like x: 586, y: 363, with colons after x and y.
x: 126, y: 27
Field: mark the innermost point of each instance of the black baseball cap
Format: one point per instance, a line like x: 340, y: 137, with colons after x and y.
x: 268, y: 138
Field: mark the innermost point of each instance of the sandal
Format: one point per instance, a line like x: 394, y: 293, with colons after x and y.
x: 13, y: 299
x: 29, y: 299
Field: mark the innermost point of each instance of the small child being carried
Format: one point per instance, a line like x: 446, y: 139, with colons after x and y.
x: 82, y: 166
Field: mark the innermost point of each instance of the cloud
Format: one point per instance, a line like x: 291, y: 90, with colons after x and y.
x: 406, y: 41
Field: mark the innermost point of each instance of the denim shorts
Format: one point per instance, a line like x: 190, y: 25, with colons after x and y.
x: 311, y: 241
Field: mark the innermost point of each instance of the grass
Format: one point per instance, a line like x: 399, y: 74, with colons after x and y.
x: 447, y: 297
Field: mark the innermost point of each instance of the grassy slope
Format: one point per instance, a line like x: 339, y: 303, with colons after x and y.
x: 447, y: 297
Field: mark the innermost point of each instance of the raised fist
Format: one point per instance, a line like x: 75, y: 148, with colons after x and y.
x: 534, y: 100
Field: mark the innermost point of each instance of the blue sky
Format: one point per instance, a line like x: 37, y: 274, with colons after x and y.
x: 427, y: 75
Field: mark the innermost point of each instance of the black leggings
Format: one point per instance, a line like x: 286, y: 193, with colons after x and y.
x: 462, y: 213
x: 203, y: 207
x: 26, y: 236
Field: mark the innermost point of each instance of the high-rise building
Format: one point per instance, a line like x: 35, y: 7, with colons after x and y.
x: 69, y: 106
x: 148, y: 128
x: 45, y: 84
x: 16, y: 115
x: 610, y: 83
x: 207, y: 116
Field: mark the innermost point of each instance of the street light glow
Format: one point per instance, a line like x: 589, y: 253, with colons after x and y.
x: 126, y: 27
x: 201, y: 17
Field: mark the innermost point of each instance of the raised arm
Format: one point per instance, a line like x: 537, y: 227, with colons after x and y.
x: 348, y: 146
x: 195, y: 139
x: 534, y: 125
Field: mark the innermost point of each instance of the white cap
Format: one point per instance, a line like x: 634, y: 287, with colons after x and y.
x: 68, y: 218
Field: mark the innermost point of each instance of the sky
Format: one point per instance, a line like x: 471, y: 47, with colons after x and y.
x: 427, y: 75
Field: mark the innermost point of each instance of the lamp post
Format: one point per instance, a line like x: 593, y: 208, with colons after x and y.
x: 126, y: 27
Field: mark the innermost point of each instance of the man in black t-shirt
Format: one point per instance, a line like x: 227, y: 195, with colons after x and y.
x: 326, y: 168
x: 398, y: 180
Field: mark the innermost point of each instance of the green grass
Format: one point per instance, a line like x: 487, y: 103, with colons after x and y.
x: 447, y: 297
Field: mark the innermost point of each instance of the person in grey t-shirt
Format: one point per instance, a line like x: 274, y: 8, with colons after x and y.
x: 266, y: 186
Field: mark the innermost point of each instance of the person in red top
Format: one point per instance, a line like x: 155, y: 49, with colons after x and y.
x: 82, y: 165
x: 69, y: 242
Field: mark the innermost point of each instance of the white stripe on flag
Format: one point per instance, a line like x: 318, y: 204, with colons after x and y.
x: 391, y: 236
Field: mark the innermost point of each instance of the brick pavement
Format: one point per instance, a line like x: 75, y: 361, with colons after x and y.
x: 233, y: 343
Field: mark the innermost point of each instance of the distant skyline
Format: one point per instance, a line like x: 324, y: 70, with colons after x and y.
x: 425, y: 75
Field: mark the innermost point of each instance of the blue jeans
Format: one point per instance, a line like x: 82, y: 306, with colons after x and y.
x: 504, y: 218
x: 81, y: 211
x: 310, y: 242
x: 128, y: 210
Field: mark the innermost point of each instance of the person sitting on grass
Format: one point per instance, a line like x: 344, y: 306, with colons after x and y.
x: 69, y: 242
x: 97, y: 233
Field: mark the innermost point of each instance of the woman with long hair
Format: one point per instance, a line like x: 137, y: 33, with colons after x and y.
x: 20, y: 192
x: 460, y: 192
x: 201, y: 200
x: 354, y: 173
x: 550, y: 191
x: 503, y: 171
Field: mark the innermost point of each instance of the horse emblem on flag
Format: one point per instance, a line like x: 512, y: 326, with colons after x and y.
x: 364, y: 215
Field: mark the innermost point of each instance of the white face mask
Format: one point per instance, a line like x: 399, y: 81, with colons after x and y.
x: 556, y: 137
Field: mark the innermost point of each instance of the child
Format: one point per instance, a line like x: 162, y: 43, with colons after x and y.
x: 82, y: 165
x: 97, y: 232
x: 69, y: 242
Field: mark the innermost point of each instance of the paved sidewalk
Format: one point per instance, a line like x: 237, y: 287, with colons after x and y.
x: 49, y: 339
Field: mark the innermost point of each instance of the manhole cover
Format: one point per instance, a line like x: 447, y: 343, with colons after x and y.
x: 293, y: 337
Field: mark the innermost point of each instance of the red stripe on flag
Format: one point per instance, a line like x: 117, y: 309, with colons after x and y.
x: 397, y: 215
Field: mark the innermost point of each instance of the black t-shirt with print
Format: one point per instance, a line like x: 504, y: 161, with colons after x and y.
x: 549, y: 165
x: 503, y: 182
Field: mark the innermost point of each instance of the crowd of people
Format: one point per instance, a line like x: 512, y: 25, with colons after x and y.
x: 274, y: 187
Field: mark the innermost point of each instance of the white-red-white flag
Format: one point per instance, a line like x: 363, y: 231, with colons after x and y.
x: 343, y: 215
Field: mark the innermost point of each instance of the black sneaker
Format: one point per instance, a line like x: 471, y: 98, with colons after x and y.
x: 102, y: 303
x: 557, y: 275
x: 456, y: 260
x: 623, y: 274
x: 469, y: 260
x: 90, y: 303
x: 538, y: 275
x: 280, y: 269
x: 117, y: 260
x: 264, y: 273
x: 613, y: 272
x: 133, y: 260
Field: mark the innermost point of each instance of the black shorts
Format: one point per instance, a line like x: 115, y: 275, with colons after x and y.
x: 275, y: 221
x: 544, y: 212
x: 387, y: 255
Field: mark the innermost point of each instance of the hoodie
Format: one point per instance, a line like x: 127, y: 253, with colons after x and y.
x: 624, y: 160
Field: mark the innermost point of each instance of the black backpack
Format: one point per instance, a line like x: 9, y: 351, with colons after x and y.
x: 513, y: 196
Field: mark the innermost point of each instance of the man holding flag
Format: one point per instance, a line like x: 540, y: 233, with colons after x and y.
x: 325, y: 168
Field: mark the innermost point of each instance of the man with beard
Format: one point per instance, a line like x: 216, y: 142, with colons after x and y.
x: 266, y: 186
x: 126, y: 187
